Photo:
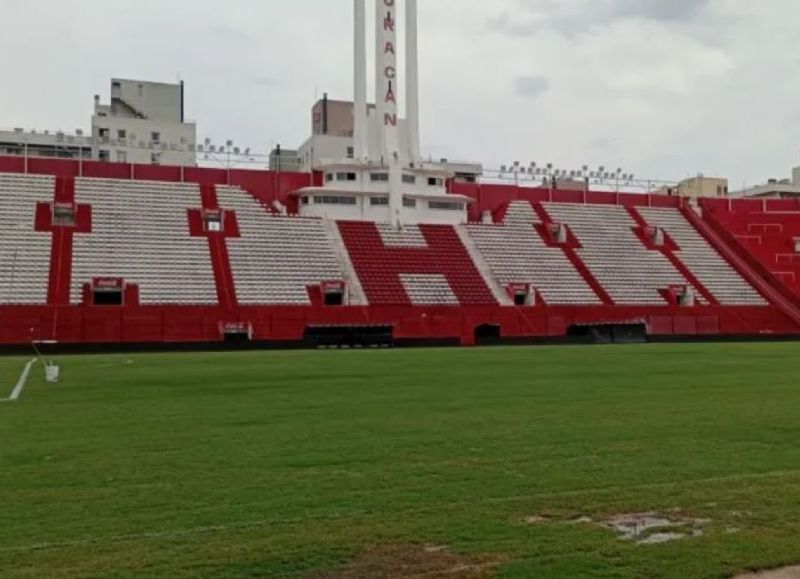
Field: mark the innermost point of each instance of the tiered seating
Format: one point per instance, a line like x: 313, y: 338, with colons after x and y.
x: 140, y: 232
x: 769, y: 236
x: 516, y: 253
x: 421, y: 265
x: 428, y: 289
x: 630, y: 272
x: 711, y: 269
x: 24, y: 252
x: 276, y: 258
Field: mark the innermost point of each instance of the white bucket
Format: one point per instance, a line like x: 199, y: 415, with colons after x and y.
x: 52, y: 373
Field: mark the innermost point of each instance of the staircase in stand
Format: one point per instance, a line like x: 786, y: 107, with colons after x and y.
x: 357, y: 297
x: 483, y: 267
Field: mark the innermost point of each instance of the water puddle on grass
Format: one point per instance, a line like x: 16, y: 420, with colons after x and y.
x: 640, y: 528
x: 655, y: 528
x: 783, y: 573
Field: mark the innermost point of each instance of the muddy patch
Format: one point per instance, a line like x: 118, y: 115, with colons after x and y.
x: 418, y: 561
x: 640, y: 528
x: 783, y: 573
x: 655, y: 528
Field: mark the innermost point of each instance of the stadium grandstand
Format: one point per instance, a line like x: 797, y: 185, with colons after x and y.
x: 372, y: 246
x: 213, y: 366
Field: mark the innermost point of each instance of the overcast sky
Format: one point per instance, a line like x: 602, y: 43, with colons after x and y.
x: 661, y: 88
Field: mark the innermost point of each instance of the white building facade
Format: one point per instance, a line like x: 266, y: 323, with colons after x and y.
x: 143, y: 123
x: 382, y: 177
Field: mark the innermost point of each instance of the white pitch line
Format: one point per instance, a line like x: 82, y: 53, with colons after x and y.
x: 23, y: 379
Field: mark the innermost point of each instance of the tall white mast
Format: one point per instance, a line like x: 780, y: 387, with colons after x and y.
x: 360, y: 138
x: 387, y: 79
x: 412, y: 81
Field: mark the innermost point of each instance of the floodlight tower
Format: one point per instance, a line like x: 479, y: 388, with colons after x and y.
x: 360, y: 138
x: 388, y: 78
x: 412, y: 81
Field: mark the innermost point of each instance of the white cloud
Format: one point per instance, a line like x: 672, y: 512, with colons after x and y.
x: 664, y: 88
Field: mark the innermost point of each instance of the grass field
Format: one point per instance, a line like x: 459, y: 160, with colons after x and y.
x: 354, y: 464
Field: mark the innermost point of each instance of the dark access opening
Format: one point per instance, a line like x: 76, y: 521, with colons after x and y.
x: 237, y: 333
x: 334, y: 299
x: 349, y: 336
x: 487, y: 334
x: 635, y: 333
x: 112, y: 297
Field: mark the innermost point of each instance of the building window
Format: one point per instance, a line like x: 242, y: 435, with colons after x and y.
x: 122, y: 156
x: 155, y: 137
x: 409, y: 179
x: 122, y: 134
x: 155, y: 158
x: 345, y: 176
x: 304, y: 200
x: 104, y: 156
x: 409, y: 203
x: 445, y: 206
x: 350, y: 152
x: 378, y: 201
x: 334, y: 200
x: 435, y: 182
x: 379, y: 177
x: 328, y: 177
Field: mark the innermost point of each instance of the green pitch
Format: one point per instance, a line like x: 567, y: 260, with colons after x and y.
x: 455, y: 463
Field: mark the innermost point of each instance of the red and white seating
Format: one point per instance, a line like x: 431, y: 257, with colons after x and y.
x: 140, y: 232
x: 277, y: 258
x: 24, y: 252
x: 768, y: 229
x: 517, y: 254
x: 630, y: 272
x: 421, y: 265
x: 716, y: 274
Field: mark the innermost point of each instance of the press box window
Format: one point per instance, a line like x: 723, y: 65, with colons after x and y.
x: 445, y: 206
x: 334, y: 200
